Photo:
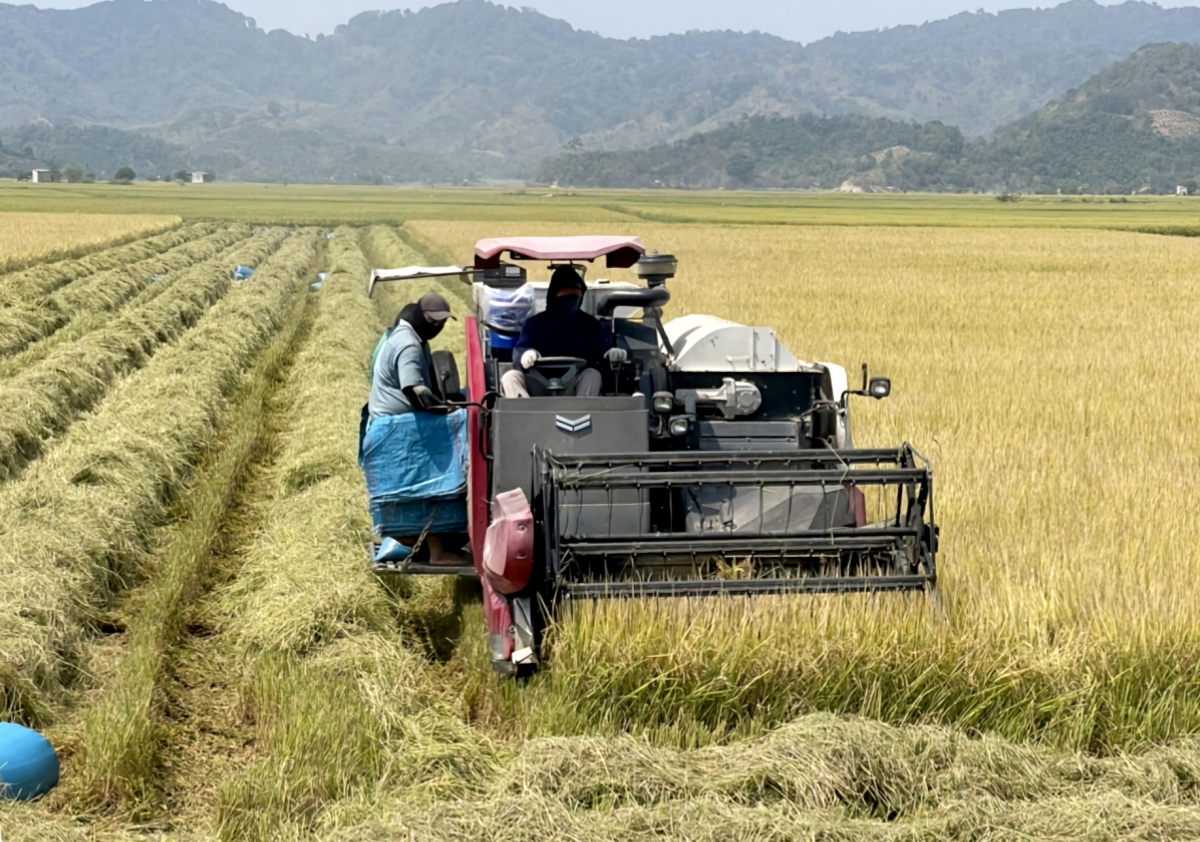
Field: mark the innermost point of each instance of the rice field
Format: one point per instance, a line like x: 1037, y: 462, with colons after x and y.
x: 186, y: 609
x: 35, y: 237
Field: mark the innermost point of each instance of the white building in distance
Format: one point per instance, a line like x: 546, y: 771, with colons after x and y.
x: 198, y: 177
x: 41, y: 176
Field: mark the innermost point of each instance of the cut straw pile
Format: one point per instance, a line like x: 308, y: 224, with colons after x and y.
x: 84, y: 321
x: 121, y: 762
x: 77, y: 525
x: 42, y: 399
x: 22, y: 324
x: 818, y: 778
x: 38, y: 281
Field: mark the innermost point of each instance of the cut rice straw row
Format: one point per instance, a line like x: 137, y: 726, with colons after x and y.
x: 120, y: 764
x: 309, y: 619
x: 84, y: 322
x: 78, y: 525
x: 37, y: 281
x: 43, y: 399
x: 25, y: 323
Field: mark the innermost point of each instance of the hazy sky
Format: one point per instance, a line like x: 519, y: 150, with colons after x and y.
x: 798, y: 20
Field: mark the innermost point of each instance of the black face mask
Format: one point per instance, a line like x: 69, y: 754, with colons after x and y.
x: 424, y: 329
x: 568, y: 305
x: 427, y: 331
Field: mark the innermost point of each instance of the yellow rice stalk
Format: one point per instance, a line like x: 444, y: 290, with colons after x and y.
x: 30, y: 237
x: 1046, y: 373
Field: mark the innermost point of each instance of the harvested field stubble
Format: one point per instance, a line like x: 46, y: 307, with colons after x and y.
x: 77, y: 526
x: 330, y: 687
x: 42, y: 279
x: 45, y: 397
x: 33, y: 237
x: 104, y: 291
x: 121, y: 759
x: 1044, y: 373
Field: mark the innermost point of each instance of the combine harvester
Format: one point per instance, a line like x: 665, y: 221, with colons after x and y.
x: 715, y: 462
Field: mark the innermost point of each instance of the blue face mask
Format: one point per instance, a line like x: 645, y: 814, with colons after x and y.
x: 568, y: 305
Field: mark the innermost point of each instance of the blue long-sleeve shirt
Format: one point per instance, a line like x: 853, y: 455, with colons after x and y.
x: 554, y: 335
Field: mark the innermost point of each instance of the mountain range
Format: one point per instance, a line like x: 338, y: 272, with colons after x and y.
x: 1135, y: 126
x: 470, y: 89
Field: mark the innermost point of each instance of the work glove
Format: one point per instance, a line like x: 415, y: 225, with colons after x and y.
x: 529, y: 359
x: 616, y: 355
x: 423, y: 399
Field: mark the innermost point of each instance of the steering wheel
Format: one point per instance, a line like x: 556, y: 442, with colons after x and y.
x: 556, y: 374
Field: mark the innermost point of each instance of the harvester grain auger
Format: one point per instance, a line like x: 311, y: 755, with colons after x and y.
x: 714, y: 461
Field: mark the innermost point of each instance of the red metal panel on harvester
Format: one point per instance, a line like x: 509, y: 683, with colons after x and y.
x: 477, y: 473
x: 496, y: 610
x: 508, y: 550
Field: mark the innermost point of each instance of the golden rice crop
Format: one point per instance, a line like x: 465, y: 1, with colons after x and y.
x: 39, y: 237
x: 1047, y: 375
x: 385, y: 248
x: 43, y: 398
x: 22, y: 324
x: 78, y: 523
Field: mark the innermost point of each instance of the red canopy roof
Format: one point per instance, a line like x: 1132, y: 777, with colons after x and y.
x: 621, y: 252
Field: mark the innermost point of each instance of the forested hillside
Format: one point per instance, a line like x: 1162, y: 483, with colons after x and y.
x: 1134, y: 126
x: 472, y: 89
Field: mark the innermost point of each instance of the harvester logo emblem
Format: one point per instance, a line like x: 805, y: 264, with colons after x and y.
x: 577, y: 425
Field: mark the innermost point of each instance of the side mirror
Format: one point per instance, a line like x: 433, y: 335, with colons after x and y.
x: 875, y: 387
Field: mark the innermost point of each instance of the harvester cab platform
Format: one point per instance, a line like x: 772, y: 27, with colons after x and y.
x: 714, y: 461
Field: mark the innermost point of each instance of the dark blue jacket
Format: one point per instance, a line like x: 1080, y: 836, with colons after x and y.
x: 553, y: 335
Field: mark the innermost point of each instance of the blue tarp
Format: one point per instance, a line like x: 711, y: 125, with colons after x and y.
x: 409, y: 519
x: 416, y: 471
x: 415, y: 457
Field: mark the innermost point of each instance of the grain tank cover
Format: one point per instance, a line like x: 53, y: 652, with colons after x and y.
x: 707, y: 343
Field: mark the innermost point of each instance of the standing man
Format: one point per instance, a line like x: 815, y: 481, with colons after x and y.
x: 402, y: 377
x: 412, y: 445
x: 562, y: 330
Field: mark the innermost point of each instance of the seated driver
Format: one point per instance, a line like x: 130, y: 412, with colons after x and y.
x: 562, y: 330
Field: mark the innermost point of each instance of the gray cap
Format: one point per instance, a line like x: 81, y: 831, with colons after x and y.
x: 434, y: 306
